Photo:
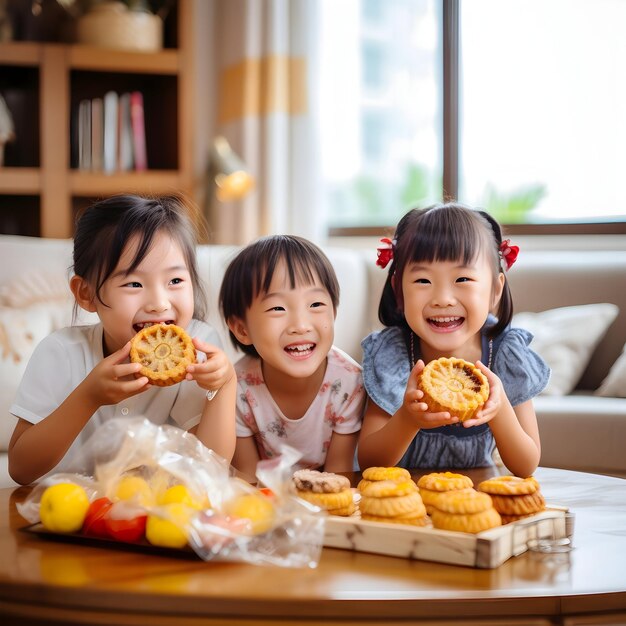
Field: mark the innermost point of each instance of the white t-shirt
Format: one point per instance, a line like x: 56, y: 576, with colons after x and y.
x: 338, y: 407
x: 62, y: 360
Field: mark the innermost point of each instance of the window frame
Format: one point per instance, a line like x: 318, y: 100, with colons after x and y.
x: 451, y: 68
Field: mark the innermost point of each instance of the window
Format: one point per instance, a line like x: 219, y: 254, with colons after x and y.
x: 542, y: 119
x: 380, y: 98
x: 541, y: 128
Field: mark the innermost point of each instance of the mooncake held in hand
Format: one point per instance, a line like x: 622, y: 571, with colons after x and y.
x: 455, y: 386
x: 164, y: 352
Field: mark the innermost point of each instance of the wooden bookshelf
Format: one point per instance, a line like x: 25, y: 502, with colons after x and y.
x: 41, y: 187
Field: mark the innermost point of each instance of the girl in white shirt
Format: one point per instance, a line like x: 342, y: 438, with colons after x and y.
x: 134, y: 264
x: 279, y: 298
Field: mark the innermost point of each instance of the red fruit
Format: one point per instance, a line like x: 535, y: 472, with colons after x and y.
x: 129, y: 530
x: 95, y: 519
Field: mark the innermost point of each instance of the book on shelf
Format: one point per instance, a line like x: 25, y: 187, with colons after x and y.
x: 84, y: 135
x: 139, y: 131
x: 125, y: 161
x: 97, y: 134
x: 111, y: 133
x: 111, y: 106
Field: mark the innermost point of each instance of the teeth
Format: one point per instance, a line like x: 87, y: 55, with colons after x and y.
x: 301, y: 348
x: 445, y: 319
x: 143, y: 325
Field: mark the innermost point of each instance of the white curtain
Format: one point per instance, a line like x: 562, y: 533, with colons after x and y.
x: 266, y: 107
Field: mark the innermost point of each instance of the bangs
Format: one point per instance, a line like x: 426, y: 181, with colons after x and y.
x: 146, y: 237
x: 299, y: 267
x: 447, y: 235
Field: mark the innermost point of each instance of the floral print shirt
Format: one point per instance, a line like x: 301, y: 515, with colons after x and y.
x: 338, y: 407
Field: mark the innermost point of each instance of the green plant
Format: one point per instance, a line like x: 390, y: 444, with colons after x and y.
x: 513, y: 207
x: 416, y: 190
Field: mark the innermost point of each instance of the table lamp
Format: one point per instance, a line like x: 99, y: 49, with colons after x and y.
x: 228, y: 171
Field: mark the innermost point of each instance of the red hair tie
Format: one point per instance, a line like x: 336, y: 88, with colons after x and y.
x: 508, y: 253
x: 384, y: 252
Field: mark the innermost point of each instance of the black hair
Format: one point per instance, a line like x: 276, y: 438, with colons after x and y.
x: 104, y: 229
x: 443, y: 232
x: 250, y: 273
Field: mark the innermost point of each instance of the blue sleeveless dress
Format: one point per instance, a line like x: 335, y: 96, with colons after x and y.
x: 386, y: 369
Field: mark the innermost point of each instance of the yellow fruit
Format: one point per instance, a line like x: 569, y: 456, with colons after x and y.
x: 169, y: 531
x: 134, y: 488
x: 255, y: 507
x: 180, y: 493
x: 63, y: 508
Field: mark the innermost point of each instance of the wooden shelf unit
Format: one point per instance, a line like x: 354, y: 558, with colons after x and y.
x: 40, y: 187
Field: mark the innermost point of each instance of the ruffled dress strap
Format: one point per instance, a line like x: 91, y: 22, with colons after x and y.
x: 386, y: 368
x: 524, y: 374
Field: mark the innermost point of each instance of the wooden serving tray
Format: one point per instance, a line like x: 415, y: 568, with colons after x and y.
x: 39, y: 530
x: 487, y: 549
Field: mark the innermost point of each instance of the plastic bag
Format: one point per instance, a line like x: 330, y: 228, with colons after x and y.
x: 189, y: 495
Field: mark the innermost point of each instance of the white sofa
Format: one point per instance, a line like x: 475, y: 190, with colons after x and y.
x: 579, y: 430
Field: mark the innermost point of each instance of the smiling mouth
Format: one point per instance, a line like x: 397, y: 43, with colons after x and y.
x: 300, y: 350
x: 142, y: 325
x: 448, y: 322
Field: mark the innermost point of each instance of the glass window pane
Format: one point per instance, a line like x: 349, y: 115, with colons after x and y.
x: 380, y: 108
x: 542, y: 123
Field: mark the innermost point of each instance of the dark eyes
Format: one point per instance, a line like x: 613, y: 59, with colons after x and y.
x: 314, y: 305
x: 425, y: 281
x: 137, y: 285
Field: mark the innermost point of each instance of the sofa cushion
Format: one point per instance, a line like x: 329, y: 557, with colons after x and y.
x: 34, y: 286
x: 20, y: 331
x: 567, y: 272
x: 582, y: 432
x: 614, y: 385
x: 566, y: 338
x: 44, y: 287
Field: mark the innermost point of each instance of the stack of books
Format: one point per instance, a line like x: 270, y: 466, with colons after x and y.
x: 111, y: 134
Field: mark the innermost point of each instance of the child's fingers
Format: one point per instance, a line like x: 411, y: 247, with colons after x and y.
x: 208, y: 348
x: 207, y: 368
x: 411, y: 385
x: 126, y: 369
x: 442, y: 417
x: 475, y: 421
x: 486, y: 413
x: 491, y: 377
x: 413, y: 394
x: 134, y: 386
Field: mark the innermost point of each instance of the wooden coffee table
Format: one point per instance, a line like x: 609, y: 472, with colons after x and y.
x: 64, y: 583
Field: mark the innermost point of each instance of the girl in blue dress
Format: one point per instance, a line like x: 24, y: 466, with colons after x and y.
x: 447, y: 295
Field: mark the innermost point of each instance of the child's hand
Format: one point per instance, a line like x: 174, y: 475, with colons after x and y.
x: 213, y: 373
x: 417, y: 410
x: 492, y: 406
x: 114, y: 379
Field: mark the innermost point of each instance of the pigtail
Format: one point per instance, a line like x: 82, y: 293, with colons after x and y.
x: 389, y: 313
x: 390, y: 308
x: 505, y: 306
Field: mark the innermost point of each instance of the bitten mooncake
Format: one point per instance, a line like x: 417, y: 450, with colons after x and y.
x: 164, y: 351
x: 455, y: 386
